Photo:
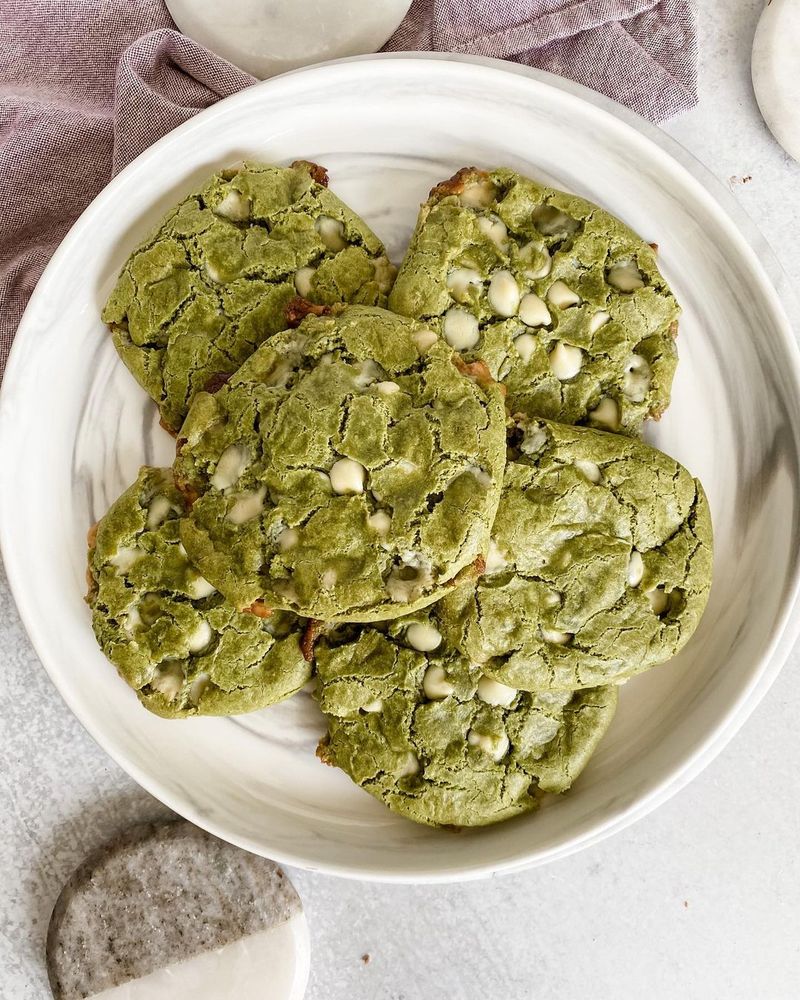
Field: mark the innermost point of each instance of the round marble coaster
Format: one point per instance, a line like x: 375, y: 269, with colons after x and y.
x: 776, y: 71
x: 168, y: 912
x: 266, y: 37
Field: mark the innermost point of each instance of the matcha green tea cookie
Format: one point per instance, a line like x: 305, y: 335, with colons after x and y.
x: 441, y: 743
x: 350, y: 470
x: 171, y: 636
x: 599, y: 567
x: 197, y: 297
x: 562, y: 301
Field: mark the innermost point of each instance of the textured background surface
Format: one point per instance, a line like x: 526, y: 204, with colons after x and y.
x: 700, y: 900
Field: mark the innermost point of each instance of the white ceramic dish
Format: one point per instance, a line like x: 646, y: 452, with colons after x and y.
x: 269, y: 38
x: 75, y: 428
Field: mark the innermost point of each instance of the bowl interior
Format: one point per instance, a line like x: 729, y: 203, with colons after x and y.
x: 76, y: 428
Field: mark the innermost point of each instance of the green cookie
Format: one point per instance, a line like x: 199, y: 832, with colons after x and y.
x: 440, y: 743
x: 599, y: 567
x: 212, y: 283
x: 171, y: 636
x: 350, y: 470
x: 562, y: 301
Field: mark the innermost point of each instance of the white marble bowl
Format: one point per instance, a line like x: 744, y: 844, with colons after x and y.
x: 75, y: 428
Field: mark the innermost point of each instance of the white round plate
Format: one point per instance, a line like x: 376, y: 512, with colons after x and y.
x: 75, y: 428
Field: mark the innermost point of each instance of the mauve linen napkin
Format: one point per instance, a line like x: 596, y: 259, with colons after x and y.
x: 86, y: 85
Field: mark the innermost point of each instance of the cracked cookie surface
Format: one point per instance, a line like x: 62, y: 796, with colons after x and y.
x: 563, y: 302
x: 350, y: 470
x: 170, y: 634
x: 212, y: 283
x: 437, y: 741
x: 599, y: 567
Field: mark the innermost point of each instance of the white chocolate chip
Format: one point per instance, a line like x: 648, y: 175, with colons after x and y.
x: 589, y: 469
x: 636, y: 382
x: 556, y: 637
x: 625, y: 276
x: 302, y: 280
x: 543, y: 268
x: 635, y: 568
x: 659, y: 601
x: 213, y: 273
x: 495, y: 229
x: 373, y: 706
x: 460, y: 279
x: 409, y: 767
x: 230, y: 466
x: 347, y: 476
x: 562, y: 296
x: 479, y: 194
x: 606, y: 414
x: 369, y: 372
x: 287, y: 539
x: 331, y: 232
x: 200, y: 637
x: 160, y: 507
x: 435, y: 683
x: 169, y: 682
x: 424, y: 339
x: 460, y: 329
x: 329, y: 578
x: 565, y: 361
x: 133, y: 620
x: 525, y: 346
x: 534, y: 438
x: 495, y: 747
x: 598, y: 319
x: 385, y: 272
x: 533, y: 311
x: 200, y: 588
x: 424, y: 638
x: 247, y: 506
x: 504, y: 293
x: 495, y: 693
x: 551, y: 599
x: 281, y: 372
x: 496, y: 560
x: 234, y: 206
x: 483, y: 477
x: 387, y: 388
x: 125, y: 557
x: 380, y: 522
x: 197, y: 687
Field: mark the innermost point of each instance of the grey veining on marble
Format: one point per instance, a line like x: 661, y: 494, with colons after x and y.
x: 700, y: 900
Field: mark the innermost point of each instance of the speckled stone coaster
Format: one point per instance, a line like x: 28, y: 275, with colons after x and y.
x: 168, y: 911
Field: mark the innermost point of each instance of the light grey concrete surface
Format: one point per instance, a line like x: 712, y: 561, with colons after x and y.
x: 700, y: 901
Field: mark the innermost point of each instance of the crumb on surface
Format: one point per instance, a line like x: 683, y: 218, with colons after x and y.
x: 366, y: 958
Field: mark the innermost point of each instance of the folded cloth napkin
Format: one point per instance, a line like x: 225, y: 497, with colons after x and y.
x: 86, y: 85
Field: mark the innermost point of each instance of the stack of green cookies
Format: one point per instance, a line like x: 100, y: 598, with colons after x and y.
x: 422, y: 508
